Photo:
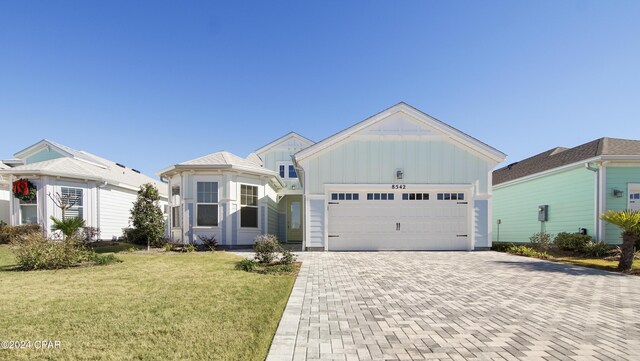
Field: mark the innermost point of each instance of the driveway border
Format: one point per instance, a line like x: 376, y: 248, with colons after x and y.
x: 284, y: 341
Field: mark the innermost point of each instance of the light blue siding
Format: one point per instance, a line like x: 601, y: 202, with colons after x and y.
x: 375, y: 161
x: 273, y: 222
x: 618, y: 178
x: 316, y: 223
x: 41, y: 156
x: 481, y: 224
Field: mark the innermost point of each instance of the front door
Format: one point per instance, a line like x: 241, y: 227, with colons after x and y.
x: 294, y: 219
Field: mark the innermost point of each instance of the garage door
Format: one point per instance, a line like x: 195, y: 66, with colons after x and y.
x: 398, y: 221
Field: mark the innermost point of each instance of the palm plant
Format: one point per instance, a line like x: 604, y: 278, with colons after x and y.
x: 69, y: 227
x: 629, y: 221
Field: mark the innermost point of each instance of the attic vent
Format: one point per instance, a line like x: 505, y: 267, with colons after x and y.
x: 135, y: 170
x: 511, y: 165
x: 120, y: 165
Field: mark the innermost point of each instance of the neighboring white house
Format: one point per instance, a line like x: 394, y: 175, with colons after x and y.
x: 399, y: 180
x: 4, y: 196
x: 104, y: 191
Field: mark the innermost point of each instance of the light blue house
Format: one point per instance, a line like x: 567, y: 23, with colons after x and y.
x: 399, y: 180
x: 566, y: 190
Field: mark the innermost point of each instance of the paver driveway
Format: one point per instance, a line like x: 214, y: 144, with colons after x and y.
x: 456, y: 305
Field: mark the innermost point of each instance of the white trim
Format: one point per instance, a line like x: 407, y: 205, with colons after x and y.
x: 529, y: 177
x: 454, y: 134
x: 602, y: 202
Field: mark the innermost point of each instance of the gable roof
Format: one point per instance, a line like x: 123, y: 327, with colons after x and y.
x: 559, y: 156
x: 222, y: 160
x: 3, y: 166
x: 108, y: 171
x: 289, y: 135
x: 452, y: 132
x: 60, y: 148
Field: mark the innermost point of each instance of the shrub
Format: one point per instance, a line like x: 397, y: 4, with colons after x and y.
x: 105, y: 259
x: 541, y: 241
x: 34, y: 251
x: 189, y: 248
x: 10, y: 233
x: 246, y: 264
x: 596, y: 249
x: 526, y: 251
x: 574, y: 242
x: 168, y: 247
x: 500, y: 246
x: 89, y: 234
x: 287, y: 257
x: 209, y: 242
x: 266, y: 246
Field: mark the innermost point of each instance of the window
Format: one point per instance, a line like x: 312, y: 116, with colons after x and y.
x: 286, y: 170
x: 175, y: 190
x: 207, y: 204
x: 29, y: 212
x: 248, y: 206
x: 74, y: 198
x: 292, y: 172
x: 415, y: 196
x: 451, y: 196
x: 345, y: 196
x: 380, y: 196
x: 176, y: 217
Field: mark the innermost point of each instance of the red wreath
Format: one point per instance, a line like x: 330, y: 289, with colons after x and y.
x: 24, y: 190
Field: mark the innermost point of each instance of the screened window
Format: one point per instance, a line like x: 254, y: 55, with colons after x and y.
x: 176, y: 217
x: 74, y: 198
x: 248, y: 206
x: 29, y: 212
x: 207, y: 204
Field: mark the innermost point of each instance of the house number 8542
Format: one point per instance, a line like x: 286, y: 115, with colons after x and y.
x: 398, y: 186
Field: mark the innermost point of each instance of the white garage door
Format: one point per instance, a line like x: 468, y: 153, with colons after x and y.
x: 398, y: 221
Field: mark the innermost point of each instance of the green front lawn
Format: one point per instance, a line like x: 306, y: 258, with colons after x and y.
x: 149, y: 307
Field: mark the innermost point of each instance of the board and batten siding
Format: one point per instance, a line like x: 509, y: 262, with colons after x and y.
x: 316, y: 223
x: 115, y: 210
x: 373, y: 161
x: 618, y: 178
x: 570, y: 196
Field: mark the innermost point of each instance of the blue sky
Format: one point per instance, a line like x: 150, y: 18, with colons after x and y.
x: 149, y: 84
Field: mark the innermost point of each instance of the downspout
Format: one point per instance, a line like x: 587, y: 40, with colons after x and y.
x: 596, y: 223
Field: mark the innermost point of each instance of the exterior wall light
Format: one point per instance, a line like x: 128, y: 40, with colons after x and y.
x: 399, y: 174
x: 617, y: 193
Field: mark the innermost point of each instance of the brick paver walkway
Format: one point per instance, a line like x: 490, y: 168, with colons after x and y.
x: 456, y: 306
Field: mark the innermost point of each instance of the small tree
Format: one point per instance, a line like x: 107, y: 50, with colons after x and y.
x: 68, y: 226
x: 629, y: 221
x: 146, y: 214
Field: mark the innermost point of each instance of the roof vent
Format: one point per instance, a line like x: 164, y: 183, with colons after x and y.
x: 511, y: 165
x: 120, y: 165
x: 135, y: 170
